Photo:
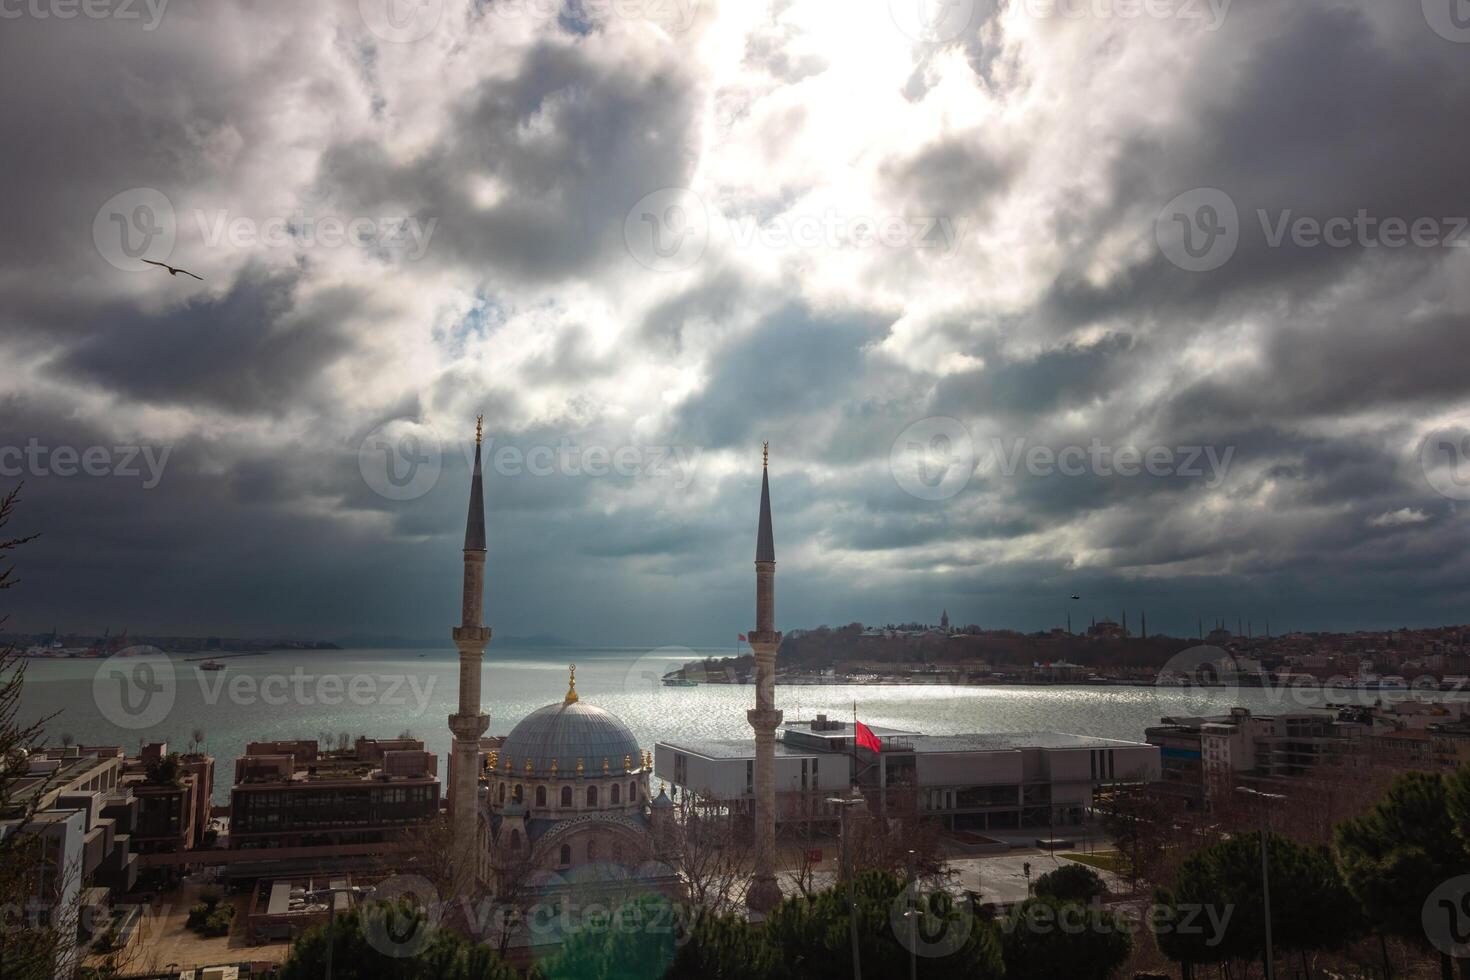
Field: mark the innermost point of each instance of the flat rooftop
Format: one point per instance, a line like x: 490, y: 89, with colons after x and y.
x: 744, y: 748
x: 734, y: 748
x: 1011, y: 741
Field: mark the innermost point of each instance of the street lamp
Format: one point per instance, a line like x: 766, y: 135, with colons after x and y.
x: 844, y: 803
x: 913, y: 916
x: 1265, y: 798
x: 331, y: 892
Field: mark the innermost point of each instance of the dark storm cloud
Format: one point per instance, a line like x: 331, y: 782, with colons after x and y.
x: 257, y: 348
x: 1316, y: 366
x: 792, y: 363
x: 574, y: 141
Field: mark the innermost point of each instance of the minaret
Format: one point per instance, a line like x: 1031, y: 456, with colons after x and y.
x: 469, y: 723
x: 764, y: 892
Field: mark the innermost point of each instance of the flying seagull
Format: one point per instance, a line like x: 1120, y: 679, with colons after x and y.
x: 172, y: 271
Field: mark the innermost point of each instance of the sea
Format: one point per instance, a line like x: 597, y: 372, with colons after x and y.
x: 326, y: 694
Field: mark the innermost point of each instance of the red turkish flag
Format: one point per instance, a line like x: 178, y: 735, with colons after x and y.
x: 866, y: 739
x: 742, y: 638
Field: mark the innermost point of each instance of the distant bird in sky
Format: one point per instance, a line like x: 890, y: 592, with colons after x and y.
x: 172, y: 271
x: 1076, y: 597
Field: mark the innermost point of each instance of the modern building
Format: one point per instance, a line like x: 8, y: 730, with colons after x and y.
x: 297, y: 795
x: 173, y: 794
x: 975, y: 782
x: 1263, y: 752
x: 72, y: 801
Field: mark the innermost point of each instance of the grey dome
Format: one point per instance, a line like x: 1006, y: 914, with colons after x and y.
x: 566, y: 733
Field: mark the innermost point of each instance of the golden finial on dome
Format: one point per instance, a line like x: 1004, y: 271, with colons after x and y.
x: 528, y: 767
x: 604, y: 765
x: 492, y: 761
x: 479, y: 429
x: 507, y: 763
x: 627, y: 763
x: 572, y: 685
x: 553, y: 768
x: 580, y: 768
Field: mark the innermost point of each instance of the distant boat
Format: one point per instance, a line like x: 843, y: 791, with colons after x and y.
x: 679, y: 682
x: 211, y: 665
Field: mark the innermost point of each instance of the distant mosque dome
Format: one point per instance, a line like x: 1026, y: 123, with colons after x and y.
x: 567, y: 732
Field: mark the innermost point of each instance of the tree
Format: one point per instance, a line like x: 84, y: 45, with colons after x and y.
x: 37, y: 934
x: 722, y: 947
x: 809, y: 938
x: 1071, y: 883
x: 1045, y: 938
x: 636, y: 940
x: 357, y: 939
x: 710, y: 853
x: 1396, y: 854
x: 1213, y: 911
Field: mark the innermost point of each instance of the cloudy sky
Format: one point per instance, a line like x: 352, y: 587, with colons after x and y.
x: 1162, y: 303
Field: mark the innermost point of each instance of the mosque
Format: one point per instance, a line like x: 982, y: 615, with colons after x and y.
x: 566, y: 792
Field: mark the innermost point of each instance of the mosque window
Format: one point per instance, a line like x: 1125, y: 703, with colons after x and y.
x: 633, y: 792
x: 566, y: 796
x: 502, y: 792
x: 591, y: 795
x: 516, y: 794
x: 566, y: 854
x: 617, y: 795
x: 540, y: 795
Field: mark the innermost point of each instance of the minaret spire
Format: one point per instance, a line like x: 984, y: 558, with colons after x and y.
x: 764, y: 892
x: 469, y: 723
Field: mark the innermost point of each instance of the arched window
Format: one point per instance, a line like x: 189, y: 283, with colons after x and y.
x: 591, y: 795
x: 617, y: 795
x: 502, y: 792
x: 566, y: 854
x: 566, y: 796
x: 633, y: 792
x: 540, y: 795
x: 515, y: 794
x: 592, y: 850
